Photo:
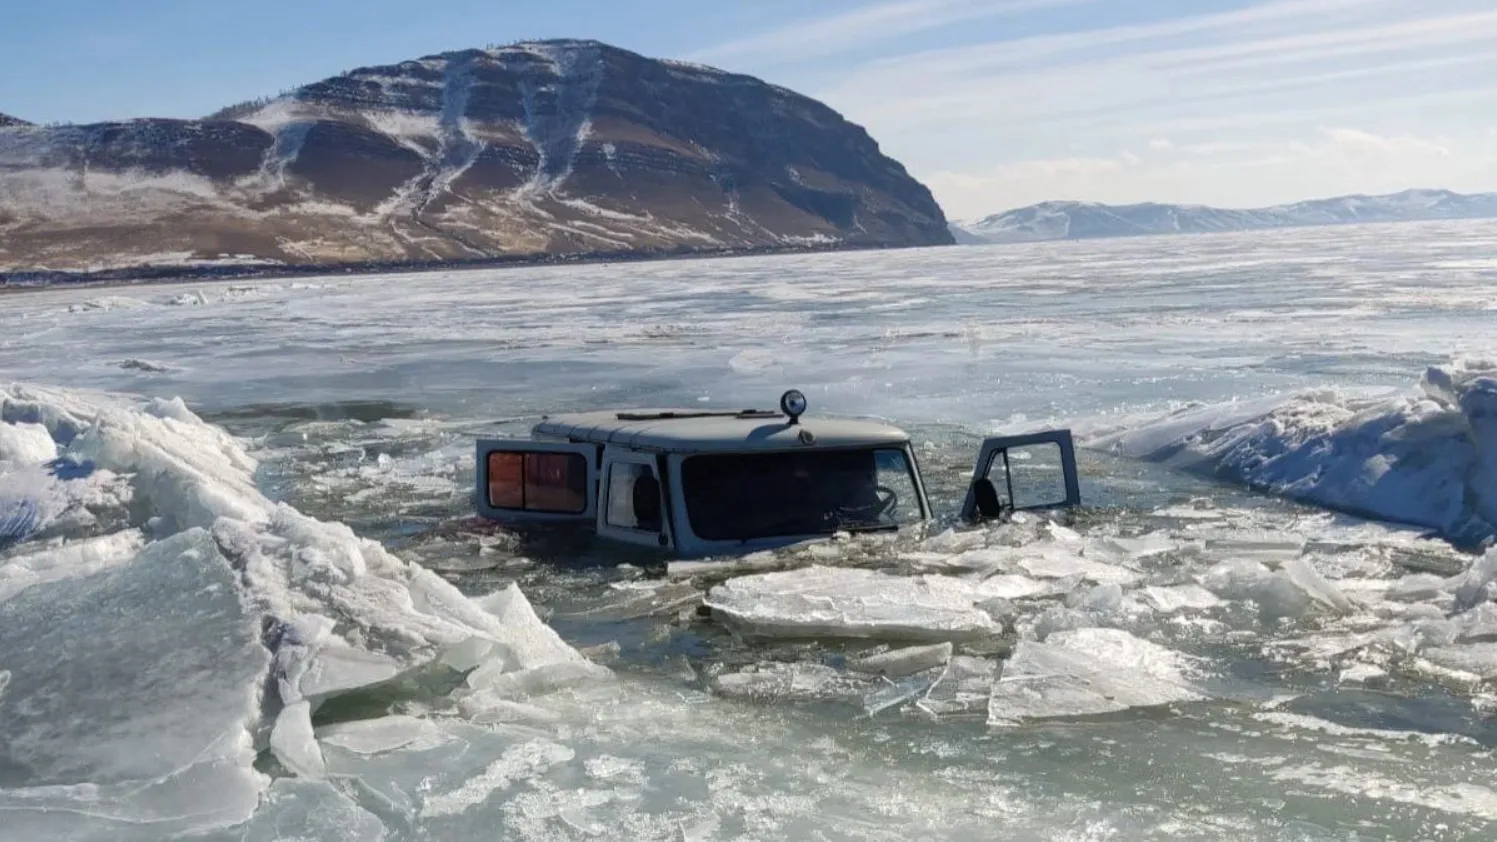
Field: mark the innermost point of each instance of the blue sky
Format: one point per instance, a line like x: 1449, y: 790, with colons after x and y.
x: 993, y: 103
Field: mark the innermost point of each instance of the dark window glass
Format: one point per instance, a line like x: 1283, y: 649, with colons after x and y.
x: 741, y: 496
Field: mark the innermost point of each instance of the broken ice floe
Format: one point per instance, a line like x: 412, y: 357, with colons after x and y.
x: 1170, y: 599
x: 1084, y: 672
x: 202, y: 569
x: 1072, y: 673
x: 150, y: 707
x: 854, y: 603
x: 1044, y: 598
x: 800, y: 682
x: 901, y: 662
x: 26, y: 444
x: 875, y: 682
x: 1062, y: 666
x: 147, y: 366
x: 1292, y: 592
x: 1428, y: 460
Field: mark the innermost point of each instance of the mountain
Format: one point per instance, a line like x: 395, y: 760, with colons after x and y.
x: 1083, y: 220
x: 7, y: 121
x: 544, y: 148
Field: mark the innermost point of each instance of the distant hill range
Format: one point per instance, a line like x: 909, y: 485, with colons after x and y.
x: 547, y: 148
x: 6, y: 121
x: 1085, y: 220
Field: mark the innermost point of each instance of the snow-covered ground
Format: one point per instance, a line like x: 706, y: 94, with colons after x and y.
x: 239, y: 598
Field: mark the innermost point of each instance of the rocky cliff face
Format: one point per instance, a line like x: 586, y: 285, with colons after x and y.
x: 552, y: 147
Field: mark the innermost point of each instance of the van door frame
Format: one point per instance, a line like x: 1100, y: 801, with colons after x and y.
x: 993, y: 447
x: 663, y: 539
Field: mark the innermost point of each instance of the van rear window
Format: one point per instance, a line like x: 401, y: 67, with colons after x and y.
x: 553, y: 483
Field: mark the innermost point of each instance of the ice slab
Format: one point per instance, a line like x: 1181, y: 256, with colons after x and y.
x: 293, y: 744
x: 174, y: 621
x: 793, y: 682
x: 492, y: 681
x: 1176, y: 598
x: 1419, y: 587
x: 383, y: 735
x: 391, y: 616
x: 26, y: 444
x: 1477, y: 659
x: 901, y: 662
x: 209, y: 801
x: 1476, y: 585
x: 1013, y: 586
x: 1293, y: 592
x: 1083, y: 672
x: 1479, y: 625
x: 517, y: 763
x: 1058, y: 564
x: 898, y: 692
x: 182, y: 657
x: 1428, y: 459
x: 65, y: 499
x: 853, y: 603
x: 297, y: 809
x: 69, y: 559
x: 962, y: 689
x: 1144, y: 546
x: 1315, y: 586
x: 156, y: 693
x: 1361, y: 673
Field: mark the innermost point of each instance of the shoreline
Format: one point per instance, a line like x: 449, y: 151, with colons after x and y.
x: 44, y: 280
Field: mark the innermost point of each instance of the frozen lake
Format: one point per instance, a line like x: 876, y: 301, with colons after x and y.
x: 261, y: 612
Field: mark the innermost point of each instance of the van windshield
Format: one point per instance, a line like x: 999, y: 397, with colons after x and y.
x: 741, y: 496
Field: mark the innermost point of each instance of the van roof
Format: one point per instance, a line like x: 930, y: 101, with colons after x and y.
x: 700, y: 431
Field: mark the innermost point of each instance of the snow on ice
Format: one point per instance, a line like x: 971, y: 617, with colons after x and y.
x: 1428, y: 460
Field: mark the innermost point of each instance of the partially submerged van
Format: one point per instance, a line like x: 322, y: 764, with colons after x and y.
x: 703, y: 483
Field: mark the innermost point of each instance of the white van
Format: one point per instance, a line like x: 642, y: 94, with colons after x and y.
x: 705, y: 483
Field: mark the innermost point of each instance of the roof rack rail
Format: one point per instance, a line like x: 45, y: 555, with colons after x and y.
x: 670, y: 414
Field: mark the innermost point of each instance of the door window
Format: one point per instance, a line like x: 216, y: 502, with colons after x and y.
x: 633, y: 497
x: 1014, y: 473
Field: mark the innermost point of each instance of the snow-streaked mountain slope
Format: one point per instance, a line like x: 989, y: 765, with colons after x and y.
x: 549, y: 147
x: 1085, y: 220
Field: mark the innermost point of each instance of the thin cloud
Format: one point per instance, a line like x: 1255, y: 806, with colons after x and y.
x: 1405, y: 34
x: 1274, y: 101
x: 1288, y: 69
x: 1358, y: 141
x: 1027, y: 51
x: 1436, y: 102
x: 863, y: 26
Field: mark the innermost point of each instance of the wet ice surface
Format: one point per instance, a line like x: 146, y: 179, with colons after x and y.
x: 202, y: 636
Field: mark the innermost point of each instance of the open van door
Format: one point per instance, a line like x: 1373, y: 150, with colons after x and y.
x: 1018, y: 473
x: 522, y: 481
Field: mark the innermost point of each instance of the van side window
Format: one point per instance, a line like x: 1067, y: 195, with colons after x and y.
x: 633, y: 497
